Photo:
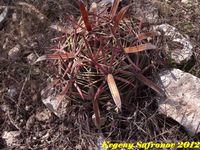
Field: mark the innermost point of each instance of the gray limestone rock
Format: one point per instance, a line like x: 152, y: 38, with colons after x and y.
x: 183, y: 98
x: 179, y: 55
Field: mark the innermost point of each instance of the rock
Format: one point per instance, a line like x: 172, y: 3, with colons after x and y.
x: 102, y: 3
x: 142, y: 10
x: 179, y: 55
x: 44, y: 115
x: 183, y: 98
x: 54, y: 101
x: 36, y: 71
x: 14, y: 17
x: 30, y: 122
x: 163, y: 7
x: 11, y: 137
x: 12, y: 91
x: 186, y: 1
x: 14, y: 53
x: 31, y: 58
x: 190, y: 3
x: 146, y: 11
x: 106, y: 2
x: 3, y: 16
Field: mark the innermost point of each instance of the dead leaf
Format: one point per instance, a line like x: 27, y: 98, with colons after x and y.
x: 139, y: 48
x: 114, y: 90
x: 64, y: 56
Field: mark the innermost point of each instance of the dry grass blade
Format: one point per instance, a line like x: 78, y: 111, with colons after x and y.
x: 125, y: 81
x: 79, y: 90
x: 150, y: 84
x: 137, y: 72
x: 32, y: 9
x: 114, y: 8
x: 143, y: 36
x: 55, y: 57
x: 94, y: 7
x: 121, y: 14
x: 94, y: 10
x: 99, y: 90
x: 84, y: 14
x: 97, y: 114
x: 114, y: 90
x: 139, y: 48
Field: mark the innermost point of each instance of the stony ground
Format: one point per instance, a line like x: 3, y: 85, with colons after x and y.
x: 24, y: 119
